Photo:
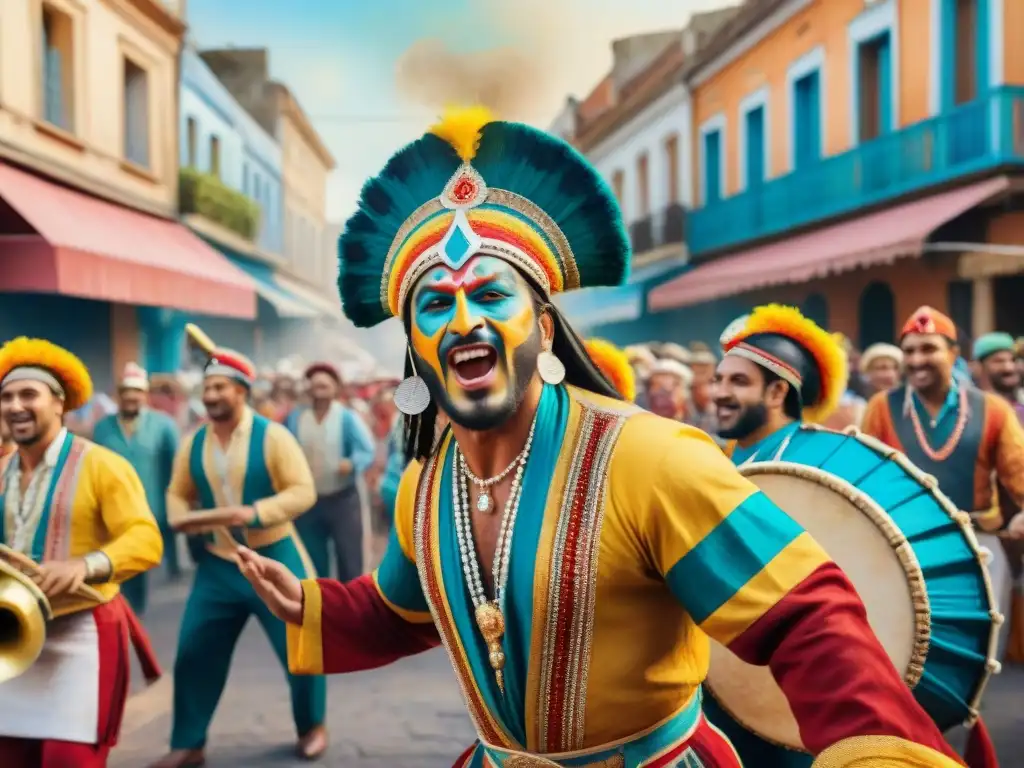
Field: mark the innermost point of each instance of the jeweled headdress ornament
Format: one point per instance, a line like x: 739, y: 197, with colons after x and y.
x: 797, y: 350
x: 473, y: 185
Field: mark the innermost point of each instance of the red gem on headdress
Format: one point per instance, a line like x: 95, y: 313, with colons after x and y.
x: 464, y: 190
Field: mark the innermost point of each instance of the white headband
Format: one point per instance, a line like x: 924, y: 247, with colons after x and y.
x: 33, y: 373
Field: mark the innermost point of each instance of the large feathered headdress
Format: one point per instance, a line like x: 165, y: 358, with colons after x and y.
x: 614, y: 365
x: 472, y: 185
x: 795, y: 348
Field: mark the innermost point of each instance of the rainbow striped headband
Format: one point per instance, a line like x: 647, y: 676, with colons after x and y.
x: 780, y: 368
x: 468, y: 218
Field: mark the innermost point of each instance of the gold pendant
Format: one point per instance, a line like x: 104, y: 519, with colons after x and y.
x: 492, y: 626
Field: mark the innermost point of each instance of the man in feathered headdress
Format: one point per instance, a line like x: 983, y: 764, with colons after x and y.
x: 148, y: 439
x: 566, y: 547
x: 239, y: 478
x: 79, y: 512
x: 779, y: 369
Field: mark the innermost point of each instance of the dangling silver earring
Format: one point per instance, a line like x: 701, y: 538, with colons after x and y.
x: 412, y: 396
x: 550, y: 368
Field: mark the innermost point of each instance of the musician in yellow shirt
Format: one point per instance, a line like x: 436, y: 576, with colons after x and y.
x: 79, y: 511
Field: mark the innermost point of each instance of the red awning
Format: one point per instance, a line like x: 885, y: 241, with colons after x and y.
x: 87, y: 247
x: 876, y: 238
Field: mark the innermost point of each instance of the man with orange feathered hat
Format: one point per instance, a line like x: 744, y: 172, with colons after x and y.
x: 74, y: 517
x: 240, y: 478
x: 571, y: 551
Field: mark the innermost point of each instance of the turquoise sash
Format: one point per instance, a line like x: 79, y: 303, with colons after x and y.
x: 257, y: 483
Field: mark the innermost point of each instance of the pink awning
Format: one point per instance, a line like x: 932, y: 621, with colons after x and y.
x: 83, y: 246
x: 875, y: 238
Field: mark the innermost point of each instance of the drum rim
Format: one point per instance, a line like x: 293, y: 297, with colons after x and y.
x: 901, y: 548
x: 966, y: 525
x: 962, y: 520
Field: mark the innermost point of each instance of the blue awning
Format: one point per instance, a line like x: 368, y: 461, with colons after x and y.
x: 624, y: 303
x: 286, y: 304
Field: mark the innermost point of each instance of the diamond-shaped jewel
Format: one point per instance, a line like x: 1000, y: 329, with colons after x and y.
x: 457, y: 246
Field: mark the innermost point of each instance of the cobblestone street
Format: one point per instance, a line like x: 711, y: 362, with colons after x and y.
x: 409, y: 715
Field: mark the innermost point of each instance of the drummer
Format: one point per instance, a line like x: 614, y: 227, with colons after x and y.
x: 779, y: 369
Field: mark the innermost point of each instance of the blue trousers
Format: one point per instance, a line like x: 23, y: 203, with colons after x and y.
x: 218, y: 607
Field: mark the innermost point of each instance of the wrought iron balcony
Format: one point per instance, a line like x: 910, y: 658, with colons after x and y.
x: 984, y: 135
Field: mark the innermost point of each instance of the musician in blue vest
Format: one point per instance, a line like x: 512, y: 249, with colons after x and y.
x: 779, y: 369
x: 149, y: 440
x: 339, y: 448
x: 248, y: 479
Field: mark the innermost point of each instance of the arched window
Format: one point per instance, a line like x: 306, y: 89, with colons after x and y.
x: 877, y: 315
x: 815, y: 307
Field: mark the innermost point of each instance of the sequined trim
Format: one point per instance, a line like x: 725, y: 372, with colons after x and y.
x: 572, y: 587
x: 58, y: 535
x: 430, y: 579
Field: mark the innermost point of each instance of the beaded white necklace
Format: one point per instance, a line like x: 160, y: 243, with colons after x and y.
x: 489, y: 615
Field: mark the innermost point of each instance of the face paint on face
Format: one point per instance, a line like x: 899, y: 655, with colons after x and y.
x: 475, y: 338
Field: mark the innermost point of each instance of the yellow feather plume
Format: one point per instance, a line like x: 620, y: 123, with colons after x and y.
x: 197, y: 338
x: 823, y: 346
x: 461, y: 128
x: 614, y: 364
x: 65, y: 367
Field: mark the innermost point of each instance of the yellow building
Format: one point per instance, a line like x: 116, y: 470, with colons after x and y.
x: 92, y: 255
x: 859, y: 159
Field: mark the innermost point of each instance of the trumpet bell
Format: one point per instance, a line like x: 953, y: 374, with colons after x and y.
x: 24, y: 611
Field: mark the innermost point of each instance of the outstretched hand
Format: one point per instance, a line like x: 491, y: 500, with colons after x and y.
x: 276, y: 586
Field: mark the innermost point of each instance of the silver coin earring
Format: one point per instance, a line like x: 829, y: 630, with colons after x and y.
x: 550, y: 368
x: 412, y: 395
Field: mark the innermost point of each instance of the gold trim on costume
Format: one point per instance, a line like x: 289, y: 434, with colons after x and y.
x: 565, y: 661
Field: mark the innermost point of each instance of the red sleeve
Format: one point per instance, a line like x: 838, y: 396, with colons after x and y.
x: 360, y: 631
x: 837, y: 677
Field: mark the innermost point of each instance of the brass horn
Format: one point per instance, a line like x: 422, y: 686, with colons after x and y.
x: 24, y: 611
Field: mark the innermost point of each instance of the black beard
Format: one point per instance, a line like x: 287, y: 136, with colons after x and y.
x: 482, y: 416
x: 752, y: 418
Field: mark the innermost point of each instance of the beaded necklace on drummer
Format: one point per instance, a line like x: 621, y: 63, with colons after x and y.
x: 490, y: 619
x: 950, y: 445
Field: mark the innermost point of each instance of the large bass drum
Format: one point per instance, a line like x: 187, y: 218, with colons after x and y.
x: 914, y: 560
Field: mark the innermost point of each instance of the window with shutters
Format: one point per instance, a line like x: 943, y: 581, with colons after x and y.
x: 58, y: 69
x: 136, y: 114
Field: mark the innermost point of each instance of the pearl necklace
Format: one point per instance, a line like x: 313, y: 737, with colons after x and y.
x: 484, y: 502
x: 488, y: 613
x: 950, y: 445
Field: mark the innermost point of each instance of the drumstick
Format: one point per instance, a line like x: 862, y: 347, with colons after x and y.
x: 31, y: 568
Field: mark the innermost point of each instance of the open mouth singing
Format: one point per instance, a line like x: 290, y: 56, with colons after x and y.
x: 474, y: 365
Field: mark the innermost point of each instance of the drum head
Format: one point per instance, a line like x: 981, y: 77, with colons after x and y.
x: 862, y: 539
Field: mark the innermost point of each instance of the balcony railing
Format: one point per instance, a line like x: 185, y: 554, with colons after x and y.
x: 208, y: 196
x: 983, y: 135
x: 664, y: 227
x: 641, y: 235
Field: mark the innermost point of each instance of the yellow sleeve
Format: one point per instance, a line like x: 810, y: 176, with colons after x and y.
x: 135, y: 543
x: 725, y: 550
x: 292, y: 478
x: 881, y: 752
x: 397, y: 578
x: 181, y: 492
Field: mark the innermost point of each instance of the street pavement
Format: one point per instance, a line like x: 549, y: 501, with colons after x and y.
x: 408, y: 715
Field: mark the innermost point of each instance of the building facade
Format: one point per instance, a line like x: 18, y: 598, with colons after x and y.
x: 635, y: 128
x: 857, y: 159
x: 92, y: 255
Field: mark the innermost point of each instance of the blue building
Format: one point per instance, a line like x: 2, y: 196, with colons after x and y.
x: 232, y: 196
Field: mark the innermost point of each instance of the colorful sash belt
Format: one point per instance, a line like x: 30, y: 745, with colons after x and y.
x: 634, y: 752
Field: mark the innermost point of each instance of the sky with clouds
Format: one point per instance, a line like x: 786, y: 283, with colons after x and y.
x: 363, y: 69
